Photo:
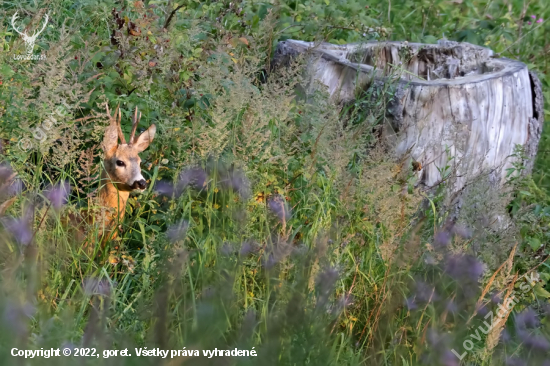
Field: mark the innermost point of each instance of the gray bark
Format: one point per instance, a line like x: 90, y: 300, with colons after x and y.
x: 453, y: 103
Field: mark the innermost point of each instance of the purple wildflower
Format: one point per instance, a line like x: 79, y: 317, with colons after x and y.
x: 280, y: 250
x: 279, y: 207
x: 540, y: 20
x: 437, y: 339
x: 248, y: 324
x: 177, y: 231
x: 95, y: 286
x: 300, y: 250
x: 5, y: 172
x: 164, y: 188
x: 462, y: 267
x: 534, y: 16
x: 442, y: 238
x: 194, y: 176
x: 58, y: 195
x: 448, y: 358
x: 20, y: 228
x: 327, y: 279
x: 248, y: 247
x: 451, y: 306
x: 326, y: 282
x: 529, y: 23
x: 237, y: 181
x: 345, y: 301
x: 226, y: 249
x: 534, y: 342
x: 433, y: 337
x: 16, y: 187
x: 527, y: 319
x: 425, y: 293
x: 270, y: 261
x: 250, y: 316
x: 515, y: 361
x: 411, y: 303
x: 17, y: 315
x: 8, y: 185
x: 505, y: 336
x: 482, y: 310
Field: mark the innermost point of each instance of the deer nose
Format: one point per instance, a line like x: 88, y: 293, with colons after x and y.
x: 141, y: 184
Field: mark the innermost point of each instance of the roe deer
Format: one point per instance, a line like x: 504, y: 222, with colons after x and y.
x: 122, y: 172
x: 121, y: 175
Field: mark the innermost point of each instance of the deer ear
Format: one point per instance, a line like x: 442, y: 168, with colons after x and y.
x: 110, y: 141
x: 143, y: 140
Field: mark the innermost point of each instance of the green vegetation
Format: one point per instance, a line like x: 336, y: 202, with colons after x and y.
x: 272, y: 219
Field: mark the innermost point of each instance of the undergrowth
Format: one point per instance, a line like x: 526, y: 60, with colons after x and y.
x: 274, y: 220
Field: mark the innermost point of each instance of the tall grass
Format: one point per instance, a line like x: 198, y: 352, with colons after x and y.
x: 274, y: 220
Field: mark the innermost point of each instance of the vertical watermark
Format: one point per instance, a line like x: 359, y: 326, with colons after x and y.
x: 501, y: 314
x: 40, y: 133
x: 29, y: 40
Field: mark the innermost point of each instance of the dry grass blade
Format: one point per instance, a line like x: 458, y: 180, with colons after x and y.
x: 500, y: 320
x: 380, y: 299
x: 5, y: 205
x: 508, y: 263
x: 3, y: 187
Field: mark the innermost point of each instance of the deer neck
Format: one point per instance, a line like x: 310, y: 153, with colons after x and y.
x: 112, y: 198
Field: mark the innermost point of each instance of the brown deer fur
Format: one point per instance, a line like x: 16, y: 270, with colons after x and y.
x: 122, y: 172
x: 121, y: 175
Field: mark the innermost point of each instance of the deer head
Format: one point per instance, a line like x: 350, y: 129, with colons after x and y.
x: 29, y: 40
x: 122, y: 162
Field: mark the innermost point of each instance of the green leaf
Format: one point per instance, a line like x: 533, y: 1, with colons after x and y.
x: 158, y: 216
x: 6, y: 71
x: 154, y: 228
x: 540, y: 291
x: 185, y: 75
x: 534, y: 243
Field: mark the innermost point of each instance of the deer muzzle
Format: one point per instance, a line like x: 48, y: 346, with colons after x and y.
x: 140, y: 184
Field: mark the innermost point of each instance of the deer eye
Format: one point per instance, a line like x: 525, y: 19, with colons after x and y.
x: 120, y: 163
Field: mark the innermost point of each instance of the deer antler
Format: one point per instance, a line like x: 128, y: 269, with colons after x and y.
x: 135, y: 123
x: 116, y: 121
x: 35, y: 34
x: 118, y: 126
x: 13, y: 19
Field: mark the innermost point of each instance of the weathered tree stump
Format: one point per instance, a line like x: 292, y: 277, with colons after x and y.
x: 454, y: 103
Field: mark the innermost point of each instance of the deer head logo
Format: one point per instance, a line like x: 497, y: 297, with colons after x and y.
x: 29, y: 40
